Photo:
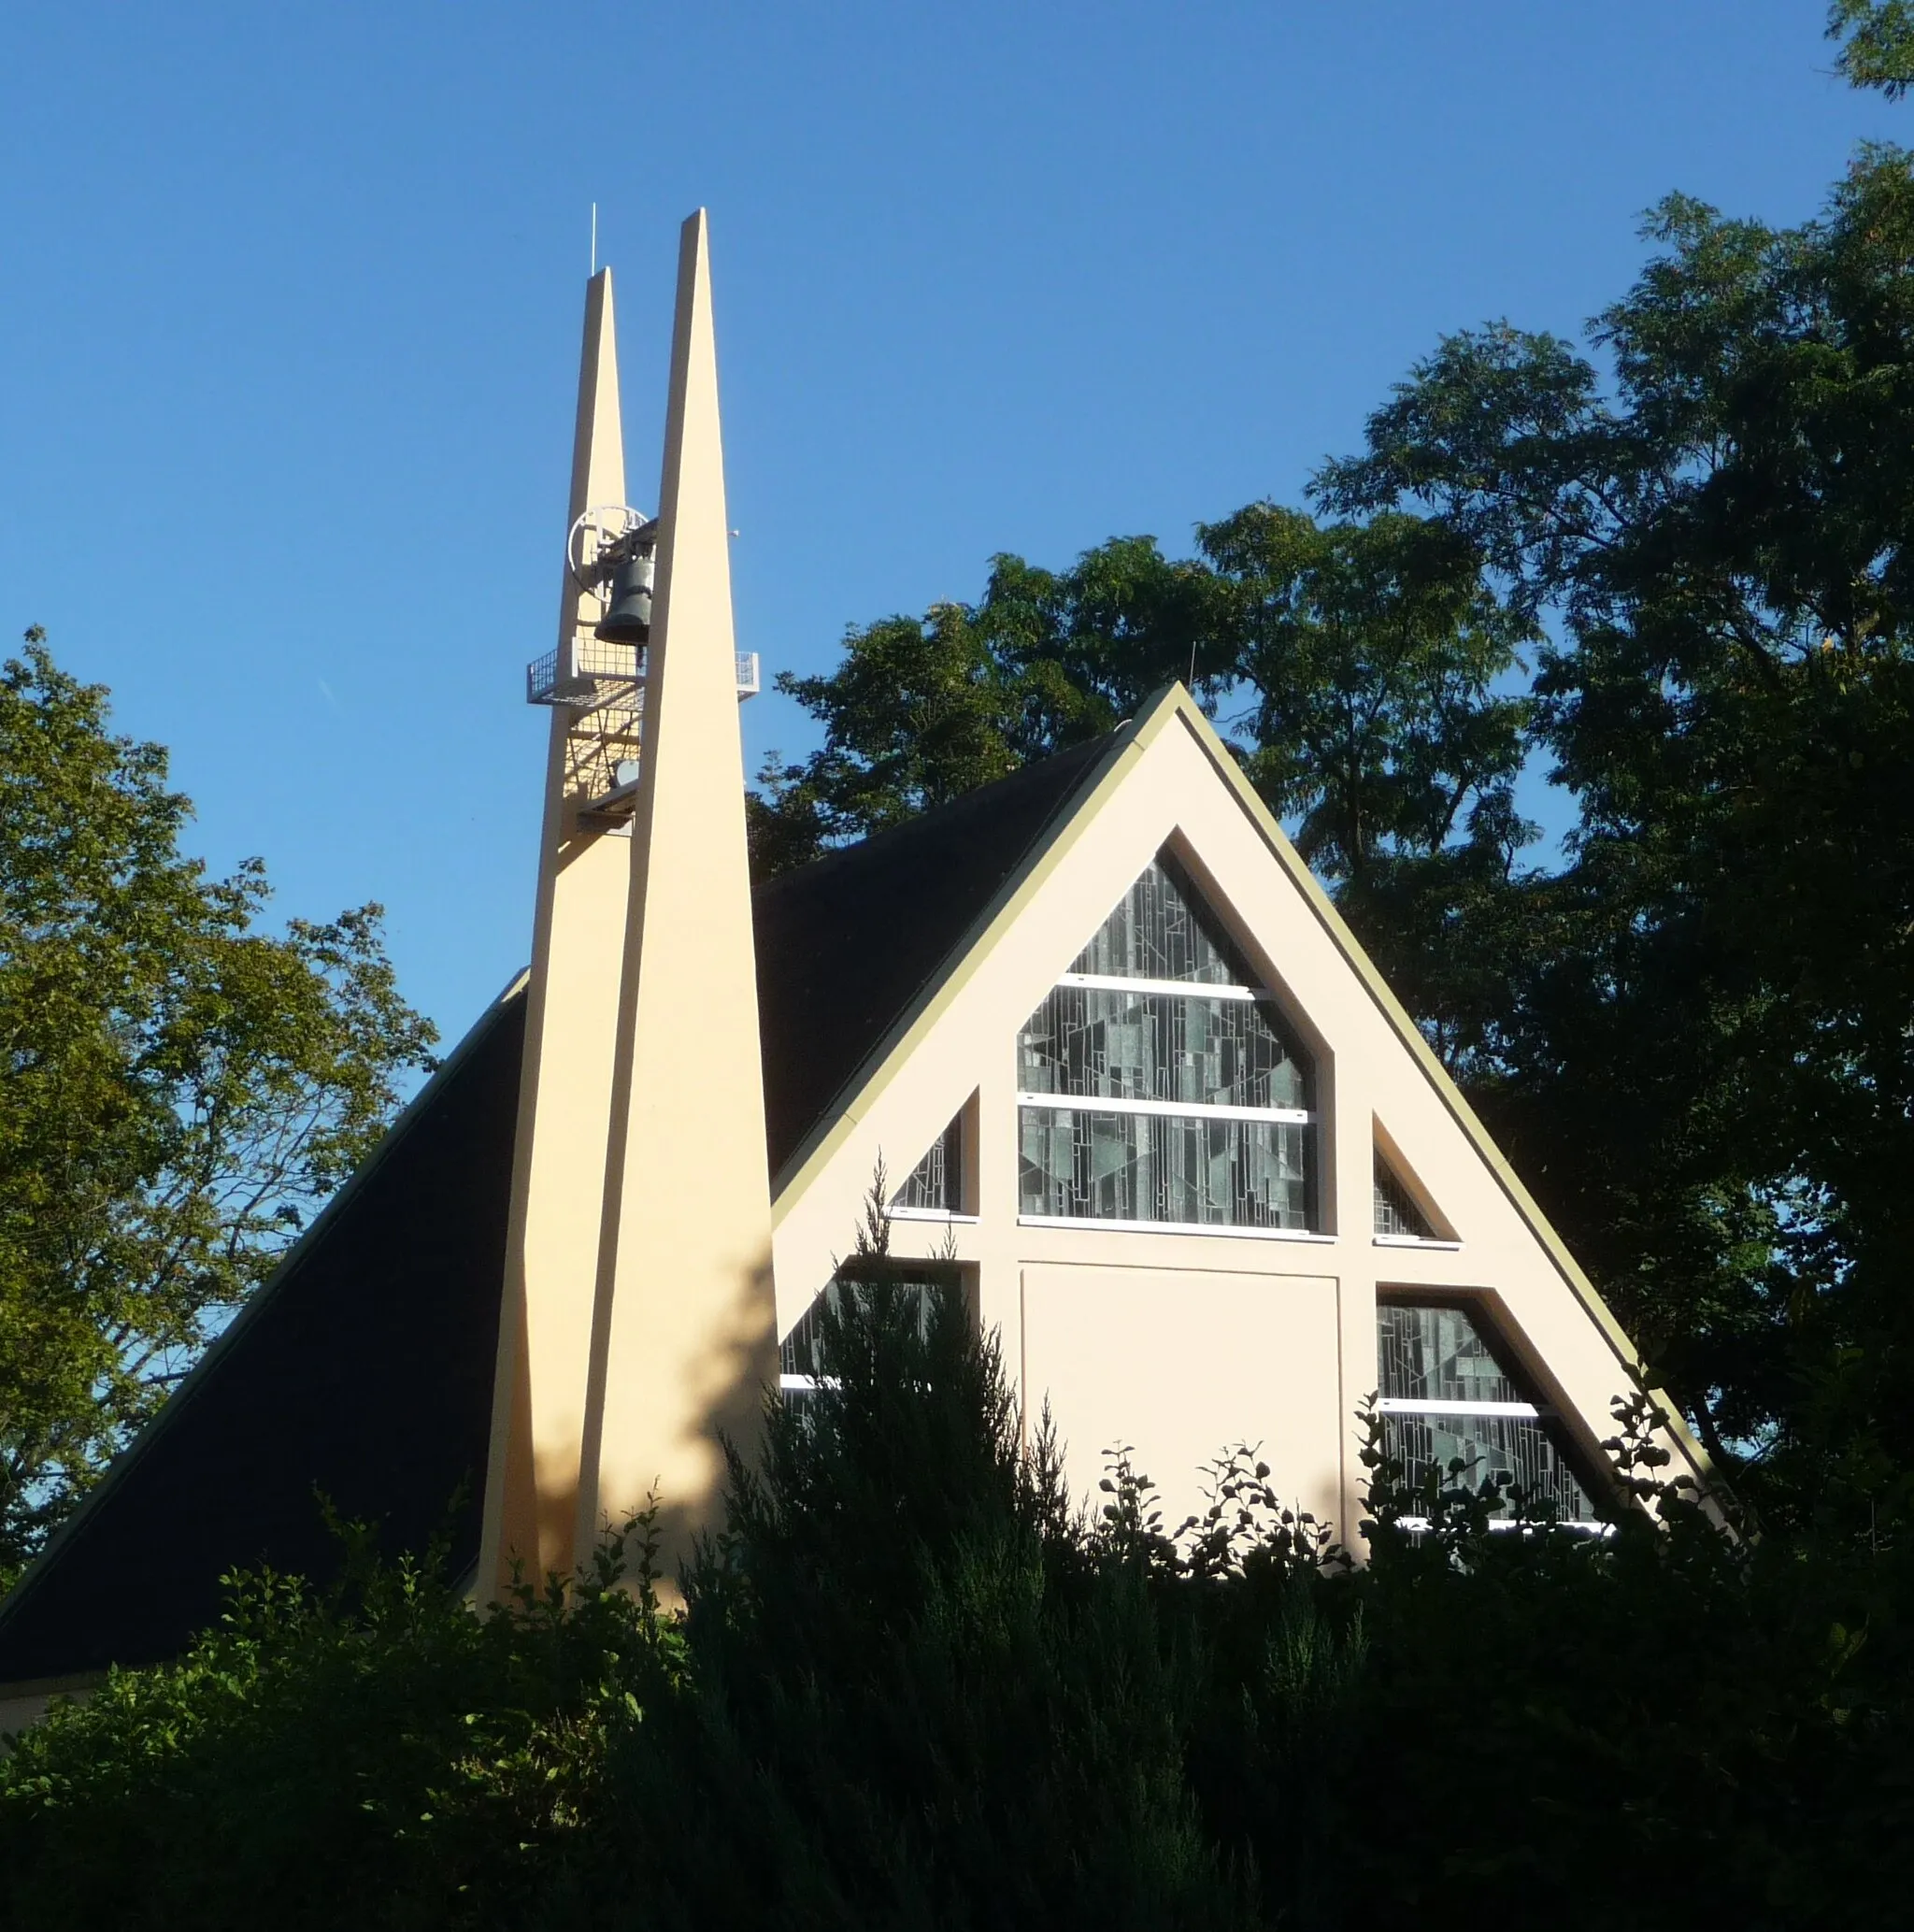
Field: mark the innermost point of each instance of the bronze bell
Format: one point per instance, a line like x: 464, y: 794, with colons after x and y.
x: 628, y: 608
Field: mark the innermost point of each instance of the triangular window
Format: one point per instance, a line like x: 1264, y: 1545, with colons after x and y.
x: 1445, y: 1395
x: 936, y: 1185
x: 1162, y: 930
x: 1398, y: 1217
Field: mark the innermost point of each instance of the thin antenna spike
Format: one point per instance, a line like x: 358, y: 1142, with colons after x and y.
x: 594, y: 238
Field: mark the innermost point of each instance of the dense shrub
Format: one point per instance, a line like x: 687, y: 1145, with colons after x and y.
x: 914, y: 1689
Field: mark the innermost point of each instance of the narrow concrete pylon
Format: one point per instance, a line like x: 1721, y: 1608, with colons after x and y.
x: 565, y: 1091
x: 685, y: 1337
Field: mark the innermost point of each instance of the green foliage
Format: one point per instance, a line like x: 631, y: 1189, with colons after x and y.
x: 1876, y: 43
x: 375, y: 1755
x: 919, y: 711
x: 1673, y: 571
x: 914, y: 1687
x: 1374, y: 651
x: 1371, y: 652
x: 177, y: 1090
x: 1704, y: 1068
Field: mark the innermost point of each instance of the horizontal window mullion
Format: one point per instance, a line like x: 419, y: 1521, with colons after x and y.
x: 1231, y: 1230
x: 1172, y: 989
x: 1178, y: 1110
x: 1407, y: 1405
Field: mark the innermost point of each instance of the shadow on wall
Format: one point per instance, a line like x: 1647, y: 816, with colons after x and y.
x: 705, y: 1385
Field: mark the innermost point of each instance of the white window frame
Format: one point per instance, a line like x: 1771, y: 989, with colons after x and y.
x: 1523, y: 1412
x: 1174, y: 989
x: 1210, y: 1230
x: 1166, y: 1110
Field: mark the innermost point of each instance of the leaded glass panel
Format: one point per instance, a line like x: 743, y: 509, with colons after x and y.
x: 1435, y: 1365
x: 1397, y: 1212
x: 936, y: 1185
x: 1108, y: 1045
x: 1438, y: 1355
x: 1160, y: 931
x: 802, y: 1352
x: 1164, y: 1168
x: 1516, y: 1447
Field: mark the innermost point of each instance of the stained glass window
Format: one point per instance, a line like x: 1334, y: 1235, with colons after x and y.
x: 1143, y: 1101
x: 1444, y: 1393
x: 936, y: 1185
x: 1106, y: 1043
x: 1171, y: 1168
x: 1397, y: 1212
x: 1158, y: 931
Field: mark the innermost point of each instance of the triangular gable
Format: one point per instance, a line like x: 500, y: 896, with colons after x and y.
x: 1436, y: 1125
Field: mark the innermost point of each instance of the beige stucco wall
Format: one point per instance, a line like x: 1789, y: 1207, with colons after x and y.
x: 683, y: 1338
x: 1182, y: 1341
x: 565, y: 1089
x: 1102, y: 1341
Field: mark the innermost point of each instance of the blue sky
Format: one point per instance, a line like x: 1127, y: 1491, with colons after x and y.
x: 289, y: 345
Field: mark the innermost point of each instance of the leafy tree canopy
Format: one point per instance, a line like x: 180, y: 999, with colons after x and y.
x: 1709, y: 1063
x: 177, y: 1088
x: 1671, y: 568
x: 1876, y: 39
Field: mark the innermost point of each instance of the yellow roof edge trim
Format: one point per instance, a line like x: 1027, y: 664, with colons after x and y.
x: 1177, y: 701
x: 941, y: 988
x: 1175, y: 704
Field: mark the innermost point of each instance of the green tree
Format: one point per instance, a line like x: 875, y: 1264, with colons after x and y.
x: 1364, y: 673
x: 1387, y: 725
x: 1706, y: 1063
x: 921, y: 711
x: 1373, y: 652
x: 177, y: 1088
x: 916, y: 714
x: 915, y: 1688
x: 1878, y: 43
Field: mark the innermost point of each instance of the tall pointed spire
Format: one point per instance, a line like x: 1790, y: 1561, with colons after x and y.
x: 684, y: 1337
x: 571, y: 1020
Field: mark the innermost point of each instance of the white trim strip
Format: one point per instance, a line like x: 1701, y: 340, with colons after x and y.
x: 1187, y: 1110
x: 1506, y: 1526
x: 1403, y: 1405
x: 1418, y: 1241
x: 1091, y: 1224
x: 943, y: 1216
x: 1173, y: 989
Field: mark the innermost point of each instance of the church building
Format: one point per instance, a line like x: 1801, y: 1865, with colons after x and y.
x: 1138, y: 1095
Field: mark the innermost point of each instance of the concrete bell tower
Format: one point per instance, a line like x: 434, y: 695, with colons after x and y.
x: 638, y: 1323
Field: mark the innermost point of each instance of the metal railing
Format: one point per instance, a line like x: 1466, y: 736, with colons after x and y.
x: 596, y: 666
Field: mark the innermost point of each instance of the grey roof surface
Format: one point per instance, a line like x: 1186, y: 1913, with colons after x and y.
x: 362, y: 1372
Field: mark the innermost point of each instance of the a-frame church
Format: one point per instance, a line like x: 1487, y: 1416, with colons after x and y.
x: 1138, y: 1090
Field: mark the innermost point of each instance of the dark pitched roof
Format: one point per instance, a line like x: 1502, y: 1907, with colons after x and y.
x: 847, y: 943
x: 362, y: 1372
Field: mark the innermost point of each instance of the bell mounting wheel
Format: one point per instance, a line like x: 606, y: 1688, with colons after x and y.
x: 594, y: 537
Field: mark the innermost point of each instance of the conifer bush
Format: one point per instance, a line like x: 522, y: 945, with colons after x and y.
x: 915, y: 1686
